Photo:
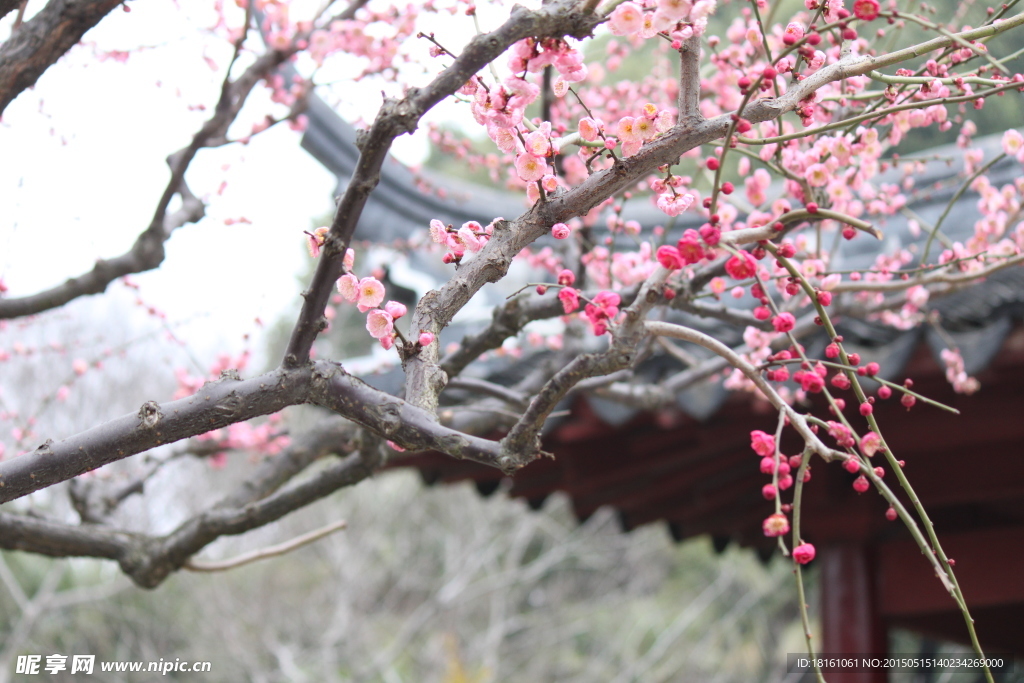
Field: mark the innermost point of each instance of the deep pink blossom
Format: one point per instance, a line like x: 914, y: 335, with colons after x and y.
x: 741, y: 267
x: 866, y: 10
x: 803, y: 553
x: 604, y: 307
x: 690, y: 248
x: 711, y: 234
x: 810, y: 382
x: 570, y: 299
x: 762, y: 443
x: 784, y: 322
x: 669, y: 257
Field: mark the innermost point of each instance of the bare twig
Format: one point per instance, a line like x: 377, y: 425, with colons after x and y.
x: 263, y: 553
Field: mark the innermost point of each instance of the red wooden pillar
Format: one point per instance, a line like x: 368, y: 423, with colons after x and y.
x: 850, y: 619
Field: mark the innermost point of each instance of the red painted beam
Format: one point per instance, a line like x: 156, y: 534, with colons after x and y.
x: 989, y: 568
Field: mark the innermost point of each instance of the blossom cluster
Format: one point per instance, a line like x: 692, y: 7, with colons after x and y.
x: 470, y: 237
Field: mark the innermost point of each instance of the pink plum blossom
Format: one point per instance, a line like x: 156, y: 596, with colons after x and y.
x: 369, y: 293
x: 589, y: 129
x: 348, y: 285
x: 395, y: 309
x: 315, y: 240
x: 531, y: 168
x: 775, y: 525
x: 379, y: 323
x: 438, y: 233
x: 560, y: 231
x: 627, y: 18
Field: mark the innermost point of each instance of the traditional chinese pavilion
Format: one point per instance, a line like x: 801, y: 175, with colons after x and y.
x: 691, y: 466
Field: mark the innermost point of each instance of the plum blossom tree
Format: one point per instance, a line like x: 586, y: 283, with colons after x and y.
x: 802, y: 112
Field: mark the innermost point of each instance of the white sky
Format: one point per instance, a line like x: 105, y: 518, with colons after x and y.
x: 83, y: 167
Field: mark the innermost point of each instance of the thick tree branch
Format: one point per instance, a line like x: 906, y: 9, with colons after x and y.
x: 689, y: 80
x: 230, y: 400
x: 149, y: 560
x: 216, y: 405
x: 8, y: 6
x: 394, y: 419
x: 47, y: 537
x: 160, y: 557
x: 39, y: 42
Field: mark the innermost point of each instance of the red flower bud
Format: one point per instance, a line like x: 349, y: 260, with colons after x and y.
x: 803, y: 553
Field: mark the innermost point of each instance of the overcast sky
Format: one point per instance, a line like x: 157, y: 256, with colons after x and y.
x: 84, y: 167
